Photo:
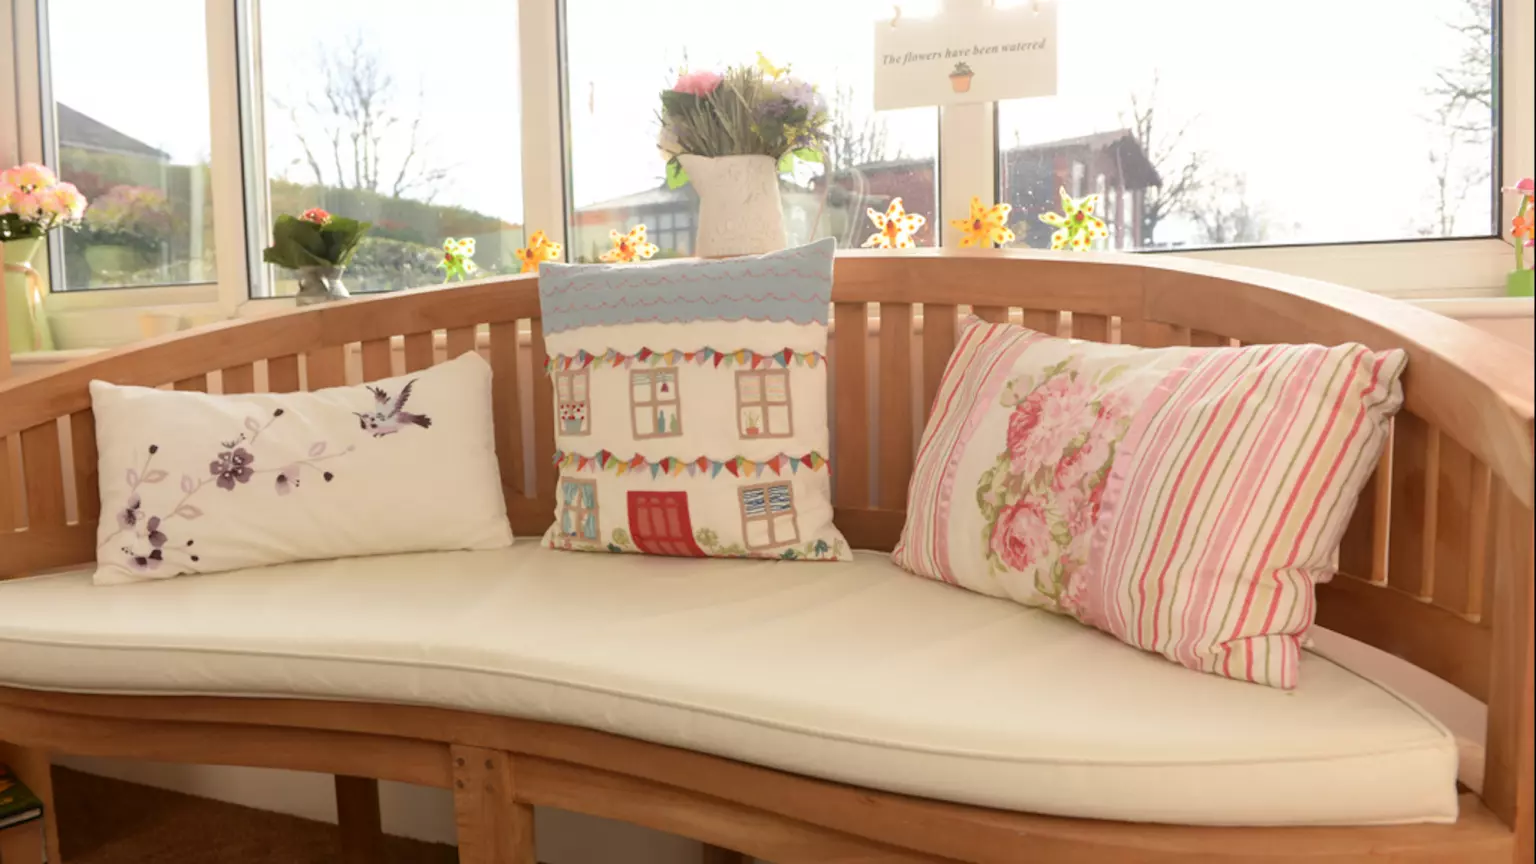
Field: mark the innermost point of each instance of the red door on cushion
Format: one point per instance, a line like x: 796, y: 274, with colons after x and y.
x: 660, y: 526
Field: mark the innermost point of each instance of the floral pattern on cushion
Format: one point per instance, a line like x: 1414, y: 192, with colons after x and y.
x: 1041, y: 499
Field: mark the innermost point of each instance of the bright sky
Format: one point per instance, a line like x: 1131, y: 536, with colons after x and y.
x: 1319, y: 103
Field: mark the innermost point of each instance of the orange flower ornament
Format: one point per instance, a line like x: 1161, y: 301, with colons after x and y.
x: 629, y: 247
x: 539, y: 249
x: 988, y: 226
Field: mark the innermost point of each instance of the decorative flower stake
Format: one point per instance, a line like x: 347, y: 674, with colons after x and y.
x: 539, y: 249
x: 457, y: 255
x: 987, y: 226
x: 629, y: 247
x: 894, y: 227
x: 1076, y: 226
x: 1522, y: 229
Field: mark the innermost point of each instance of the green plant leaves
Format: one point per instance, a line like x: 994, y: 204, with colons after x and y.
x: 676, y: 176
x: 298, y: 243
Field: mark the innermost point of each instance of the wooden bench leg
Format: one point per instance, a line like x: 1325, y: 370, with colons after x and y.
x: 493, y: 827
x: 357, y: 814
x: 34, y: 768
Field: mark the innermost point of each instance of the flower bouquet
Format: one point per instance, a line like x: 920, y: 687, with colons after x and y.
x: 731, y: 134
x: 318, y: 246
x: 32, y: 202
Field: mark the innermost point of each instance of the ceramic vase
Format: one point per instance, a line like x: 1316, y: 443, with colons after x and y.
x: 739, y: 208
x: 1520, y: 282
x: 320, y: 285
x: 26, y: 322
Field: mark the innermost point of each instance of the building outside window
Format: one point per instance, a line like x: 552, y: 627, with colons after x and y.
x: 134, y: 137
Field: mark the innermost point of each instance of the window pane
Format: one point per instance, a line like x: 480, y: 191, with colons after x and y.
x: 130, y: 119
x: 402, y: 116
x: 1202, y: 123
x: 616, y: 74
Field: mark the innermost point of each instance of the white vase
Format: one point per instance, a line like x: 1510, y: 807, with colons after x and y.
x: 739, y: 208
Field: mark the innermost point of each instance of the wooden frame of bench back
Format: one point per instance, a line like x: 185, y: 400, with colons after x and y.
x: 1436, y: 567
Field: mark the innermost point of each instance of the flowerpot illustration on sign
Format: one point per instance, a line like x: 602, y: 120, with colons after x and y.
x: 573, y: 418
x: 752, y: 421
x: 960, y: 78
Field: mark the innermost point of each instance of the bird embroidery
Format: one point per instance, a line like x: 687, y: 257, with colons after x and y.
x: 388, y: 418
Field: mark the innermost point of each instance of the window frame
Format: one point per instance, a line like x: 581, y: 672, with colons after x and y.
x: 967, y: 161
x: 762, y: 403
x: 768, y: 517
x: 579, y: 513
x: 655, y: 402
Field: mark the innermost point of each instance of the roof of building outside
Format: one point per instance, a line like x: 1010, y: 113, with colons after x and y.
x: 87, y: 133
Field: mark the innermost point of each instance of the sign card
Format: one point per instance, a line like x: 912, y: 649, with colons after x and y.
x: 979, y: 54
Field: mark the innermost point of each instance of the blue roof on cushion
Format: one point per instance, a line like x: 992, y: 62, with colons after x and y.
x: 792, y: 285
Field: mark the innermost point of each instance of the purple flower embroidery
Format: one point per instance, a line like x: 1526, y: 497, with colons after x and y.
x: 232, y: 466
x: 287, y: 479
x: 128, y: 517
x: 144, y: 563
x: 156, y: 537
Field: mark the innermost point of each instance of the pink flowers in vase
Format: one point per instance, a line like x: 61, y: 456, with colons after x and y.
x: 33, y: 202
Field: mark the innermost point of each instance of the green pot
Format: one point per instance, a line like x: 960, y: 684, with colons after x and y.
x: 26, y: 319
x: 1519, y: 283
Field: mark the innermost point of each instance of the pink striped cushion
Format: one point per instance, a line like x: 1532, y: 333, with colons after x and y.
x: 1185, y: 500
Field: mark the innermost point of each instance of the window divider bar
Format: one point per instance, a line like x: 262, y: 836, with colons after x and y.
x: 541, y: 73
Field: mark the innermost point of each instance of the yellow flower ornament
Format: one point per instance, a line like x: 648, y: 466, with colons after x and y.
x: 986, y: 227
x: 1076, y: 226
x: 894, y: 228
x: 539, y: 249
x: 629, y: 247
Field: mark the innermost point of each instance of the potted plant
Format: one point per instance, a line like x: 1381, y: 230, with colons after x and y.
x: 318, y: 246
x: 753, y: 429
x: 32, y: 203
x: 732, y: 134
x: 960, y: 78
x: 124, y: 229
x: 1522, y: 231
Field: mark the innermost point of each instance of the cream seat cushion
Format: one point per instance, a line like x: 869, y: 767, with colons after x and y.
x: 857, y: 673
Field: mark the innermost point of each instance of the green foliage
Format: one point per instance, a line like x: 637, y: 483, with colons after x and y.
x: 381, y: 264
x: 300, y: 243
x: 750, y: 112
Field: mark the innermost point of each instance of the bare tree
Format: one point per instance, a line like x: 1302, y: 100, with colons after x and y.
x: 1179, y: 165
x: 354, y: 133
x: 855, y: 138
x: 1223, y: 214
x: 1462, y: 121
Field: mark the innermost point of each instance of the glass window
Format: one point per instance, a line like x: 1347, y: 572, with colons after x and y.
x: 1203, y: 123
x: 130, y: 126
x: 615, y: 76
x: 367, y: 115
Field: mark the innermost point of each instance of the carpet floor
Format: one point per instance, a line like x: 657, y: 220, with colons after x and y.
x: 103, y: 821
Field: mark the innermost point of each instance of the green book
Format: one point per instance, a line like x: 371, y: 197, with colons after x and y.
x: 17, y: 803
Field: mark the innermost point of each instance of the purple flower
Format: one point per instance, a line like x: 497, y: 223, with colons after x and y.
x: 144, y: 563
x: 156, y: 537
x: 287, y: 479
x: 796, y: 92
x: 232, y: 466
x: 128, y: 517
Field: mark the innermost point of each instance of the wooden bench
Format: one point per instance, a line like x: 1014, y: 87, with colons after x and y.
x: 1435, y: 569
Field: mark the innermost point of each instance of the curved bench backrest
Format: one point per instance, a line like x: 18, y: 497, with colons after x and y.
x: 1435, y: 568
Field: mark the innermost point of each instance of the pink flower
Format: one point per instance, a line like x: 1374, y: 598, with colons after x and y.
x: 1525, y: 187
x: 27, y: 205
x: 1022, y: 536
x: 1046, y: 422
x: 316, y: 215
x: 699, y: 84
x: 29, y: 177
